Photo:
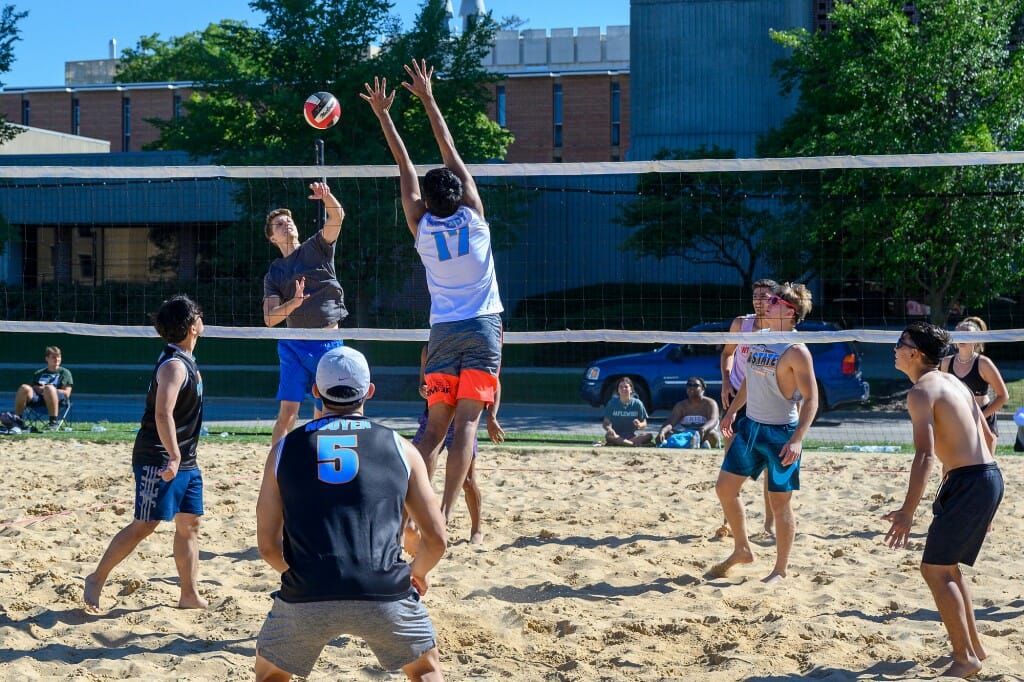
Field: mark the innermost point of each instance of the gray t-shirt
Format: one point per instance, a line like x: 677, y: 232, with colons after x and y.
x: 314, y: 260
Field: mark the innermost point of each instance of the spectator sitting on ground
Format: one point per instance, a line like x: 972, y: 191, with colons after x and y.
x: 624, y: 416
x: 50, y: 387
x: 697, y: 414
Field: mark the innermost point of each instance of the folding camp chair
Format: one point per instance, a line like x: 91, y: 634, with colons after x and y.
x: 38, y: 419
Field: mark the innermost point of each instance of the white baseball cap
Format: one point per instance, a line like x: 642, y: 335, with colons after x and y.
x: 342, y: 375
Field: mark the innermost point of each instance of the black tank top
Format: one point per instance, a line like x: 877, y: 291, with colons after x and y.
x: 343, y: 482
x: 188, y: 416
x: 973, y: 378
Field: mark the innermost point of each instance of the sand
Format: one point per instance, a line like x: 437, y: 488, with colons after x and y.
x: 594, y: 567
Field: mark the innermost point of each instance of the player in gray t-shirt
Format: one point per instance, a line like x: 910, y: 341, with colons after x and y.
x: 301, y: 289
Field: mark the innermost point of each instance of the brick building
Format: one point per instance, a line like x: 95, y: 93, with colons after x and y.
x: 560, y: 92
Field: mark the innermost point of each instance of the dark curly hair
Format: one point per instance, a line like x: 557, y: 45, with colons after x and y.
x: 442, y: 191
x: 175, y: 316
x: 931, y: 341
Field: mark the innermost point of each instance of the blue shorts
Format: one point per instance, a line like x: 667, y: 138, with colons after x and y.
x: 298, y: 367
x: 756, y: 447
x: 448, y: 437
x: 294, y: 634
x: 159, y: 500
x: 964, y: 508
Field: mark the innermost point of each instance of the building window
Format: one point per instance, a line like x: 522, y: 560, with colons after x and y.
x: 177, y: 106
x: 557, y: 109
x: 85, y: 265
x: 126, y: 124
x: 499, y: 102
x: 76, y: 116
x: 616, y: 113
x: 26, y: 112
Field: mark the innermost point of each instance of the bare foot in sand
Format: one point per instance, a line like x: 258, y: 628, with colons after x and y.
x: 773, y: 577
x: 968, y: 668
x: 192, y: 602
x: 737, y: 557
x: 477, y: 538
x: 723, y: 531
x: 93, y: 588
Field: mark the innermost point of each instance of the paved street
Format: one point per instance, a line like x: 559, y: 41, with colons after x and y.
x: 841, y: 428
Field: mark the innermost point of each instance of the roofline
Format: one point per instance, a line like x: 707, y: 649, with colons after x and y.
x: 114, y: 87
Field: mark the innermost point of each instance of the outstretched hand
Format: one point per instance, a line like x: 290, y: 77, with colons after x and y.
x: 378, y: 97
x: 319, y: 190
x: 420, y: 74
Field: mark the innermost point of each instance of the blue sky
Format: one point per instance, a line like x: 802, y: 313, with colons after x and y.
x: 71, y: 30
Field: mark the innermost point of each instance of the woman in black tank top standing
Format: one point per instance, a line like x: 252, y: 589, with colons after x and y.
x: 978, y: 372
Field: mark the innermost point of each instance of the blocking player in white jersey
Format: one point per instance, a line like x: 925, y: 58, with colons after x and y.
x: 453, y: 240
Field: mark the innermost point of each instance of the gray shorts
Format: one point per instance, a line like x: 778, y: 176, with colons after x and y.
x: 474, y: 344
x: 293, y: 635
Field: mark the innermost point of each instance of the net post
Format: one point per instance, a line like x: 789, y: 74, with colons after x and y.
x: 318, y: 151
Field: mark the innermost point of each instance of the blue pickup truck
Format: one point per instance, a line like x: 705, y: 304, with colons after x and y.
x: 660, y: 375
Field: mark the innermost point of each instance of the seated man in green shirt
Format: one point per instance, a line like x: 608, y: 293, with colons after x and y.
x: 50, y: 387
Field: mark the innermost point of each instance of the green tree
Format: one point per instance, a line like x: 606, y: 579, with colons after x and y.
x: 893, y: 78
x: 250, y: 83
x: 707, y: 218
x: 9, y: 34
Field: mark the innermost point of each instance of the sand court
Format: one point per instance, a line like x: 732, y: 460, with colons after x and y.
x: 594, y: 566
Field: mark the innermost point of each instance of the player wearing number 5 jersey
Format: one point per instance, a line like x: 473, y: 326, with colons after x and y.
x: 328, y: 519
x: 454, y: 242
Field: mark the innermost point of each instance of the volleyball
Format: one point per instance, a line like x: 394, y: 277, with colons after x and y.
x: 321, y: 110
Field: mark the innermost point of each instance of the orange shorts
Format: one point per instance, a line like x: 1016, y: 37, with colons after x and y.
x: 471, y: 384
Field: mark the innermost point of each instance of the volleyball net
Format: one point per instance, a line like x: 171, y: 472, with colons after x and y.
x: 592, y: 259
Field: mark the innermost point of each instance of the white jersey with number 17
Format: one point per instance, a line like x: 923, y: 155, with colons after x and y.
x: 456, y: 253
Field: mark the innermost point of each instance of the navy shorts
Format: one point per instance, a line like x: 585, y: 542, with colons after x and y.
x: 298, y: 367
x: 755, y: 447
x: 964, y: 508
x: 159, y: 500
x: 294, y: 634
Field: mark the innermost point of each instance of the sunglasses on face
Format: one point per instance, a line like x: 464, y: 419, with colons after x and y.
x: 772, y: 300
x: 900, y: 343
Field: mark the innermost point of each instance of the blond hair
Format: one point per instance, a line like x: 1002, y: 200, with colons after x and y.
x: 976, y: 324
x: 798, y: 296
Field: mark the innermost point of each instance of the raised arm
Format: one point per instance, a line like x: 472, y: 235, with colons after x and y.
x: 421, y: 74
x: 380, y: 101
x: 335, y: 213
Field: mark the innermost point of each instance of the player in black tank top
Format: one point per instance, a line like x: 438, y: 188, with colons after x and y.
x: 188, y: 415
x: 329, y: 518
x: 168, y: 484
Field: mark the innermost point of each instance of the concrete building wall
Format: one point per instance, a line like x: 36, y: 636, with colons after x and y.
x: 705, y: 71
x: 36, y: 141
